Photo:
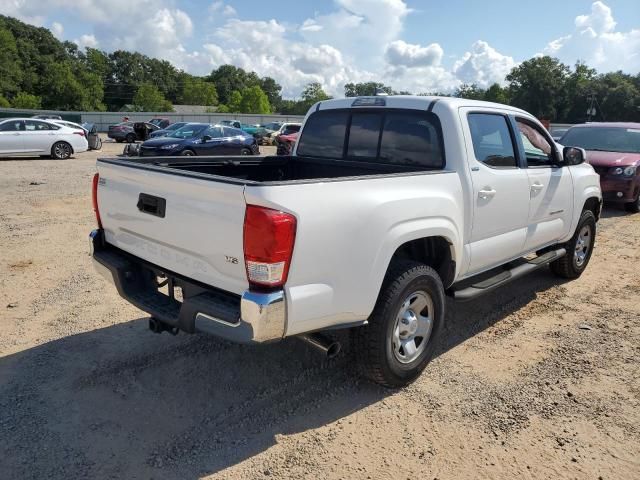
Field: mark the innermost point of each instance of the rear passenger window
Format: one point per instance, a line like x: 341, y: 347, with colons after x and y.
x: 409, y: 138
x: 323, y: 135
x: 491, y: 139
x: 31, y: 125
x: 364, y: 135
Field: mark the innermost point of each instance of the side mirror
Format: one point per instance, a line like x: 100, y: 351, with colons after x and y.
x: 206, y: 138
x: 573, y: 155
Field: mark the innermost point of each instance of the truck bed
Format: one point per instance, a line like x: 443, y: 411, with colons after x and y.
x: 267, y: 169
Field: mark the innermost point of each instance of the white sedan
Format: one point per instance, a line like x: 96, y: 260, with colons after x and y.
x: 29, y: 136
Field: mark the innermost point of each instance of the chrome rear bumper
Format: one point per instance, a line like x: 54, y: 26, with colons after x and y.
x: 253, y: 317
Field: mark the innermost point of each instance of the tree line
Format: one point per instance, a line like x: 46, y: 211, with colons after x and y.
x: 39, y: 71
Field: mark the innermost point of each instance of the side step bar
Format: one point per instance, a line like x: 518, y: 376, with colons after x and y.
x: 489, y: 284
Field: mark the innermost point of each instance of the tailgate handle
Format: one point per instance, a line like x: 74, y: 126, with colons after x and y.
x: 152, y: 205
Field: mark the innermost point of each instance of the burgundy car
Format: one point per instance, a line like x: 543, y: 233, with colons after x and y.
x: 613, y: 149
x: 285, y: 143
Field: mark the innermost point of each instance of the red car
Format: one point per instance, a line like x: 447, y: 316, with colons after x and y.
x: 285, y: 143
x: 613, y: 149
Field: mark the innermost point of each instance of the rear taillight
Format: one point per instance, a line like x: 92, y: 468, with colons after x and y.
x: 94, y: 198
x: 78, y: 132
x: 269, y: 236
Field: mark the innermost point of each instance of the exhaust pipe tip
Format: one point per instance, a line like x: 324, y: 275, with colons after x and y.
x: 154, y: 325
x: 328, y: 347
x: 334, y: 349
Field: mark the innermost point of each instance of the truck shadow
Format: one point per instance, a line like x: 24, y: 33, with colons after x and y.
x: 121, y: 402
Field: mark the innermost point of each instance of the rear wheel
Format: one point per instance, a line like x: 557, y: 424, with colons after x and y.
x: 633, y: 207
x: 579, y: 248
x: 245, y: 151
x: 188, y: 153
x: 403, y: 329
x: 61, y: 150
x: 130, y: 138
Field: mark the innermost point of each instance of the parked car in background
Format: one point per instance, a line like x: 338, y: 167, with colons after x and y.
x: 285, y: 129
x: 47, y: 116
x: 125, y: 131
x: 558, y: 132
x: 89, y: 129
x: 286, y: 143
x: 165, y: 131
x: 201, y: 139
x: 29, y: 136
x: 160, y: 122
x: 272, y: 126
x: 613, y: 149
x: 251, y: 129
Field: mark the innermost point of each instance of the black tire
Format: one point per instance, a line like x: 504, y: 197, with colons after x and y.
x: 246, y: 151
x: 569, y: 266
x: 187, y: 153
x: 130, y: 138
x: 61, y: 151
x: 374, y: 343
x: 633, y: 207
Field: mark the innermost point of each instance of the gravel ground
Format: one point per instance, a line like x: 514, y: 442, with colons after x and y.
x: 538, y: 380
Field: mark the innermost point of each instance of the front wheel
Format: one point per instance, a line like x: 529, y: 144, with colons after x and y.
x: 245, y: 151
x: 131, y: 138
x: 61, y: 151
x: 403, y: 329
x: 579, y: 248
x: 187, y: 153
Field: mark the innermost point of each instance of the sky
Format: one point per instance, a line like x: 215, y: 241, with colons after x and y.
x: 418, y: 46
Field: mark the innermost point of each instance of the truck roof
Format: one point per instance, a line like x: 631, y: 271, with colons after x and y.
x: 413, y: 102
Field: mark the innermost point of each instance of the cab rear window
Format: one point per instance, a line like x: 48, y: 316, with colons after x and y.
x: 402, y: 137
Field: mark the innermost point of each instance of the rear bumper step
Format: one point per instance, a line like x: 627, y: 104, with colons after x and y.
x: 253, y: 317
x: 506, y: 276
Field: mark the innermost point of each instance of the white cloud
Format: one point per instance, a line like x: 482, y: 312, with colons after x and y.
x: 220, y: 8
x: 360, y: 29
x: 86, y: 41
x: 400, y: 53
x: 483, y: 65
x: 57, y: 29
x: 595, y: 41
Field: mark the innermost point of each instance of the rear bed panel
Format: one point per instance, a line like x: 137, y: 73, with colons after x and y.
x: 200, y: 235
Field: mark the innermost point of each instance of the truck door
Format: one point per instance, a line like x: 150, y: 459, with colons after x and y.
x: 500, y: 190
x: 551, y: 186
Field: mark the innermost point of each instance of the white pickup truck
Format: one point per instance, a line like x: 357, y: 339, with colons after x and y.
x: 386, y: 205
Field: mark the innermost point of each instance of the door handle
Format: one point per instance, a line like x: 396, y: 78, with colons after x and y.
x: 486, y: 193
x: 537, y: 186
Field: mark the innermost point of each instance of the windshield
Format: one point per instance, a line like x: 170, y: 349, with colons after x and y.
x: 606, y: 139
x: 188, y: 131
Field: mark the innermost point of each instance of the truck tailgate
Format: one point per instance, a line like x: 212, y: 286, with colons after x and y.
x: 186, y: 225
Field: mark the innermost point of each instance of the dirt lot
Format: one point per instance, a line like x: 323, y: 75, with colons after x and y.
x: 538, y: 380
